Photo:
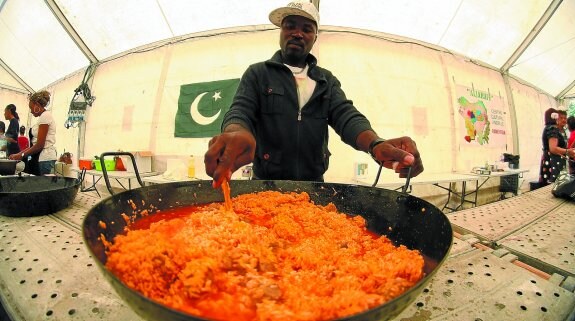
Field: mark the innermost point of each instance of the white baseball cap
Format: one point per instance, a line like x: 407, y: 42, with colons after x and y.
x: 295, y: 8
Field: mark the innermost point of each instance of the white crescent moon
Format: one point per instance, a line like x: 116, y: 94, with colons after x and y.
x: 199, y: 118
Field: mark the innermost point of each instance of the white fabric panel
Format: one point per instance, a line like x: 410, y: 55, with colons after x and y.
x: 34, y: 44
x: 488, y: 30
x: 492, y: 30
x: 549, y: 62
x: 109, y: 27
x: 186, y: 16
x: 424, y: 20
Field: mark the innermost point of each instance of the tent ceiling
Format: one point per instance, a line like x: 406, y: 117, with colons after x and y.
x: 42, y: 41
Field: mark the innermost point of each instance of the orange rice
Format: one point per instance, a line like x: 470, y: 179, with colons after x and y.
x: 277, y: 256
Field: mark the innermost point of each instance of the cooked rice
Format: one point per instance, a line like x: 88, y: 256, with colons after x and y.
x: 277, y: 256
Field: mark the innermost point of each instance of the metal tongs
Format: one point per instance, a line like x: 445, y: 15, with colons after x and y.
x: 407, y: 179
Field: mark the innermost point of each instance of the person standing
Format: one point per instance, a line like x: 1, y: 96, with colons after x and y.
x: 554, y: 149
x: 562, y: 125
x: 23, y: 141
x: 11, y: 134
x: 571, y: 142
x: 283, y: 108
x: 43, y: 136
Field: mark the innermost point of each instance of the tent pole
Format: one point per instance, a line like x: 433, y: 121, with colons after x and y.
x: 532, y: 35
x: 81, y: 139
x: 512, y: 113
x: 16, y: 77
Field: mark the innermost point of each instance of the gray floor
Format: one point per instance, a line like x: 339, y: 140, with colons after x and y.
x: 510, y: 260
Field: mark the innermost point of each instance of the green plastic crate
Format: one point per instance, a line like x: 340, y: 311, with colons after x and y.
x: 109, y: 163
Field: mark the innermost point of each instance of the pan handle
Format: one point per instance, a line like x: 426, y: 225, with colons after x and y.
x: 403, y: 188
x: 106, y: 173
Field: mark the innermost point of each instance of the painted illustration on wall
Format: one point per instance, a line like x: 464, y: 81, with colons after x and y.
x: 202, y: 106
x: 483, y: 115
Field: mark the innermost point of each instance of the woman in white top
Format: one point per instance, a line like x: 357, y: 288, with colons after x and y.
x: 43, y: 137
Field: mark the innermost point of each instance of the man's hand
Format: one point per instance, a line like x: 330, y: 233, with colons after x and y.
x: 229, y: 151
x: 399, y: 154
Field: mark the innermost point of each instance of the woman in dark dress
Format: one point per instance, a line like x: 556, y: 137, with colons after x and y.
x: 554, y: 149
x: 11, y: 115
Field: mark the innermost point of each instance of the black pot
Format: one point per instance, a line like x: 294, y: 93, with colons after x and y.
x: 8, y: 166
x: 36, y: 195
x: 403, y: 218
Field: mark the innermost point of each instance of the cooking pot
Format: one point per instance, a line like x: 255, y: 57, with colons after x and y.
x: 36, y: 195
x: 403, y: 218
x: 8, y: 166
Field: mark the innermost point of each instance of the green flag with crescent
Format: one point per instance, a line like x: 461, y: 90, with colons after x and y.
x: 201, y: 107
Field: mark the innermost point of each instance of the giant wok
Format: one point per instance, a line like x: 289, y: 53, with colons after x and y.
x: 403, y: 218
x: 23, y: 196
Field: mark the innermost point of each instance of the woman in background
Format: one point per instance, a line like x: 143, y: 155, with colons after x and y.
x: 571, y: 142
x: 43, y: 135
x: 11, y: 134
x: 23, y: 141
x: 554, y: 148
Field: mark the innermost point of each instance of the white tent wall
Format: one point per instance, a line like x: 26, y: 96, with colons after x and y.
x: 404, y: 88
x: 400, y: 88
x: 11, y: 92
x: 409, y: 89
x: 61, y: 93
x: 126, y: 92
x: 8, y: 96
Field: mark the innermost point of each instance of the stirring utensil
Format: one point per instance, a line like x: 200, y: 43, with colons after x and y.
x: 227, y: 199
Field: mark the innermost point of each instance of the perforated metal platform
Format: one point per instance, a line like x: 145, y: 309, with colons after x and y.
x: 494, y: 221
x: 46, y: 272
x: 478, y: 285
x: 548, y: 243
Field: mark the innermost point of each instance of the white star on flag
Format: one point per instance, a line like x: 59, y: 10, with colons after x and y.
x: 217, y: 96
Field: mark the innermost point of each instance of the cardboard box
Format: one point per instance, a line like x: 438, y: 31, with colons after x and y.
x: 143, y: 161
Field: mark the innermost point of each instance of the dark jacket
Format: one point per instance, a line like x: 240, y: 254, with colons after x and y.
x: 292, y: 146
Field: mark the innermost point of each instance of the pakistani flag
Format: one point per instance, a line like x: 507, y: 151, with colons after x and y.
x: 201, y: 107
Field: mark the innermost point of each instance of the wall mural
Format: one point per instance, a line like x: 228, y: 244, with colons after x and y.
x: 484, y: 116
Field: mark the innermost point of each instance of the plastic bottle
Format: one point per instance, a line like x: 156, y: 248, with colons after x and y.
x: 191, y: 167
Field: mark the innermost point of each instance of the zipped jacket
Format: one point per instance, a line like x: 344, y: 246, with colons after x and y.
x: 292, y: 144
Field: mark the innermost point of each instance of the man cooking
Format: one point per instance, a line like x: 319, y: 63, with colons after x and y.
x: 282, y: 108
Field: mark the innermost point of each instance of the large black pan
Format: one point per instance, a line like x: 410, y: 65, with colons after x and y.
x: 8, y: 166
x: 403, y: 218
x: 36, y: 195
